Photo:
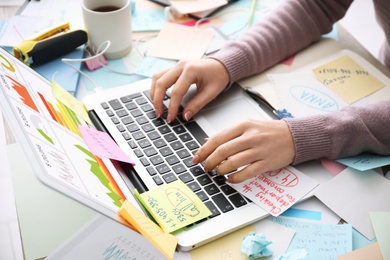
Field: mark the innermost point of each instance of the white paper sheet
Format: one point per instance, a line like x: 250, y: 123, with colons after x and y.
x: 352, y: 194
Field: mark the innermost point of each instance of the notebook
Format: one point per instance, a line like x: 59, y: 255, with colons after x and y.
x: 48, y: 133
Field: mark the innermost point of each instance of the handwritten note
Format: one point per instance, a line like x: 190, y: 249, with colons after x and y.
x: 70, y: 101
x: 276, y: 191
x: 365, y: 161
x: 173, y: 206
x: 166, y: 243
x: 322, y: 241
x: 347, y: 79
x: 303, y: 95
x: 102, y: 145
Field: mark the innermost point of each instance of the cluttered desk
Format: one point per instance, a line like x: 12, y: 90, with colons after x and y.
x: 193, y: 219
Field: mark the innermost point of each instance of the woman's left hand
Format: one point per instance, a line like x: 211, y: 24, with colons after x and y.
x: 252, y: 147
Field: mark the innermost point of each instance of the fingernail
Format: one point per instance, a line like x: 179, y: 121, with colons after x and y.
x: 169, y: 118
x: 188, y: 115
x: 195, y: 159
x: 157, y: 114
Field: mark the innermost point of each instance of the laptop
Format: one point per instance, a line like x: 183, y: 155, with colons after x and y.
x: 47, y: 131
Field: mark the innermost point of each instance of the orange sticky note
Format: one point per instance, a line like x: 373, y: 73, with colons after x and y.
x: 165, y: 242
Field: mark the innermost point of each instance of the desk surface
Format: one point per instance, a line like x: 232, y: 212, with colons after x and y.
x: 39, y: 242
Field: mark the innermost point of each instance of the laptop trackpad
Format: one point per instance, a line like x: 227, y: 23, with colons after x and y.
x: 227, y: 114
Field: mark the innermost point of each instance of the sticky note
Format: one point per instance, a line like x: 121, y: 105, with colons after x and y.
x: 322, y: 241
x: 70, y: 101
x: 276, y: 191
x: 173, y: 206
x: 102, y: 145
x: 365, y: 161
x: 177, y: 42
x: 347, y: 79
x: 380, y: 223
x: 165, y: 242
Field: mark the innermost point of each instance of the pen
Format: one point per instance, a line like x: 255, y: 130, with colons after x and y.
x: 280, y: 113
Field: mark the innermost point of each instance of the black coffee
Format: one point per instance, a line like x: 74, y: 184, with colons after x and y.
x: 106, y: 8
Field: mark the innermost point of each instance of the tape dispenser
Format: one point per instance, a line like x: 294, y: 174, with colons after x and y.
x: 50, y: 45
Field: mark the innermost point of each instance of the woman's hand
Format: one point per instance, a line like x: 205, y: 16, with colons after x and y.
x: 252, y: 147
x: 209, y: 75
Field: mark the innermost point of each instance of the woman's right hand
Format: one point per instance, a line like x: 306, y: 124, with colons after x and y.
x: 209, y: 75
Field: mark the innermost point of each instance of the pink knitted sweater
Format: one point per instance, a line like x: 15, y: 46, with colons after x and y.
x: 290, y: 28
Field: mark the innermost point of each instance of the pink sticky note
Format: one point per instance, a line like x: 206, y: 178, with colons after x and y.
x: 102, y: 145
x: 332, y: 166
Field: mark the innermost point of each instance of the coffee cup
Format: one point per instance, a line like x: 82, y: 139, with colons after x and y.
x: 108, y: 20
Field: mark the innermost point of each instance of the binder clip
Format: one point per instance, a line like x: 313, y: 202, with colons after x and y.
x: 50, y: 45
x: 94, y: 63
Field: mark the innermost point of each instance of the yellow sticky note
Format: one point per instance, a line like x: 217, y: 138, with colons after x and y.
x: 70, y: 101
x: 173, y: 206
x: 165, y: 242
x: 347, y: 79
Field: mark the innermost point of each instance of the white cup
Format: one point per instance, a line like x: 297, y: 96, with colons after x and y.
x: 109, y: 20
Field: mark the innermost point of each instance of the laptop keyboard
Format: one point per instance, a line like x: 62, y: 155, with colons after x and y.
x: 166, y: 150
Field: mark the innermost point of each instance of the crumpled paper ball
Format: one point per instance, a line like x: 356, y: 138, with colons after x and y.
x: 255, y: 246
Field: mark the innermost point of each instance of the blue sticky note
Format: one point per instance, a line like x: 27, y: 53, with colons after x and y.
x: 66, y: 76
x: 359, y: 240
x: 322, y: 241
x: 104, y: 78
x: 148, y: 20
x: 151, y: 65
x: 365, y: 161
x: 302, y: 213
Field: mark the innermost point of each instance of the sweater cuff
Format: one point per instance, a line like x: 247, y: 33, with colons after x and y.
x: 310, y: 138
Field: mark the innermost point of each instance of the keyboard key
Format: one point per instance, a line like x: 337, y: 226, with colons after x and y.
x: 196, y: 131
x: 159, y: 143
x: 214, y: 211
x: 170, y: 177
x: 115, y: 104
x: 136, y: 112
x: 166, y: 151
x: 170, y: 137
x: 222, y: 203
x: 176, y: 145
x: 127, y: 120
x: 183, y: 153
x: 192, y: 145
x: 150, y: 151
x: 126, y: 136
x: 204, y: 180
x: 179, y: 129
x: 157, y: 179
x: 131, y: 106
x: 237, y: 200
x: 144, y: 143
x: 153, y: 135
x: 186, y: 177
x: 132, y: 128
x: 163, y: 168
x: 157, y: 160
x: 179, y: 168
x: 173, y: 159
x: 151, y: 170
x: 122, y: 113
x: 197, y: 170
x: 148, y: 127
x: 227, y: 190
x: 104, y: 105
x: 202, y: 195
x: 194, y: 186
x: 130, y: 97
x: 220, y: 180
x: 115, y: 120
x: 145, y: 162
x: 211, y: 189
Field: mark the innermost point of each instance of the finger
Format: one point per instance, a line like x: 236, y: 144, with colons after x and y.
x: 198, y: 102
x: 157, y: 92
x: 249, y: 171
x: 214, y: 151
x: 238, y: 160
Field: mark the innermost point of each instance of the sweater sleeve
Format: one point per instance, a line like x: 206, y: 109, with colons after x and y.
x: 292, y: 26
x: 348, y: 132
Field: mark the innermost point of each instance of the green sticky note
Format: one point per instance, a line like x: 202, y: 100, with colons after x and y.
x: 173, y: 206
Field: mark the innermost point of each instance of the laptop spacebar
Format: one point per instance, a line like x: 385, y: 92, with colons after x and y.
x: 196, y: 131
